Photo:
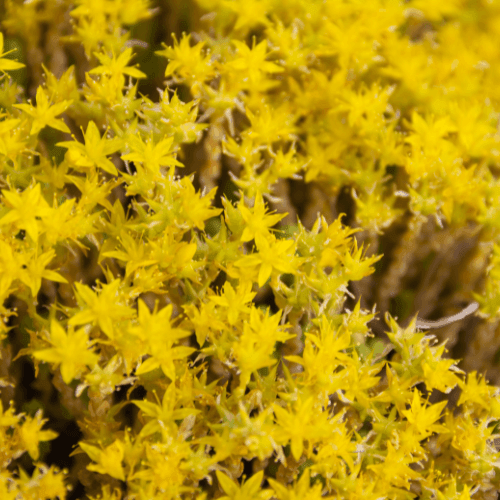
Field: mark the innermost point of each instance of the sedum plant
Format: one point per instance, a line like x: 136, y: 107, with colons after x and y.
x: 197, y: 230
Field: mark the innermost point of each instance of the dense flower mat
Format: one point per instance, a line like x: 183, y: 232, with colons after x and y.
x: 218, y: 221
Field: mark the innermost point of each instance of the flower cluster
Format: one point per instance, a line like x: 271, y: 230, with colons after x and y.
x: 160, y: 245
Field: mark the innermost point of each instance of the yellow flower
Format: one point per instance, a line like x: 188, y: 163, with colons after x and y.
x: 440, y: 374
x: 95, y: 150
x: 423, y: 419
x: 116, y: 66
x: 357, y: 266
x: 270, y: 123
x: 35, y: 270
x: 109, y: 460
x: 153, y: 156
x: 156, y: 329
x: 463, y: 187
x: 45, y: 113
x: 134, y: 253
x: 301, y: 422
x: 163, y: 416
x: 323, y: 354
x: 476, y: 391
x: 13, y: 140
x: 257, y: 221
x: 254, y: 349
x: 302, y: 488
x: 103, y: 308
x: 10, y: 265
x: 251, y: 63
x: 196, y: 206
x: 250, y: 490
x: 250, y: 14
x: 31, y: 434
x: 7, y: 64
x: 236, y: 302
x: 187, y: 62
x: 70, y: 350
x: 45, y: 483
x: 275, y: 257
x: 8, y: 418
x: 396, y: 461
x: 27, y: 208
